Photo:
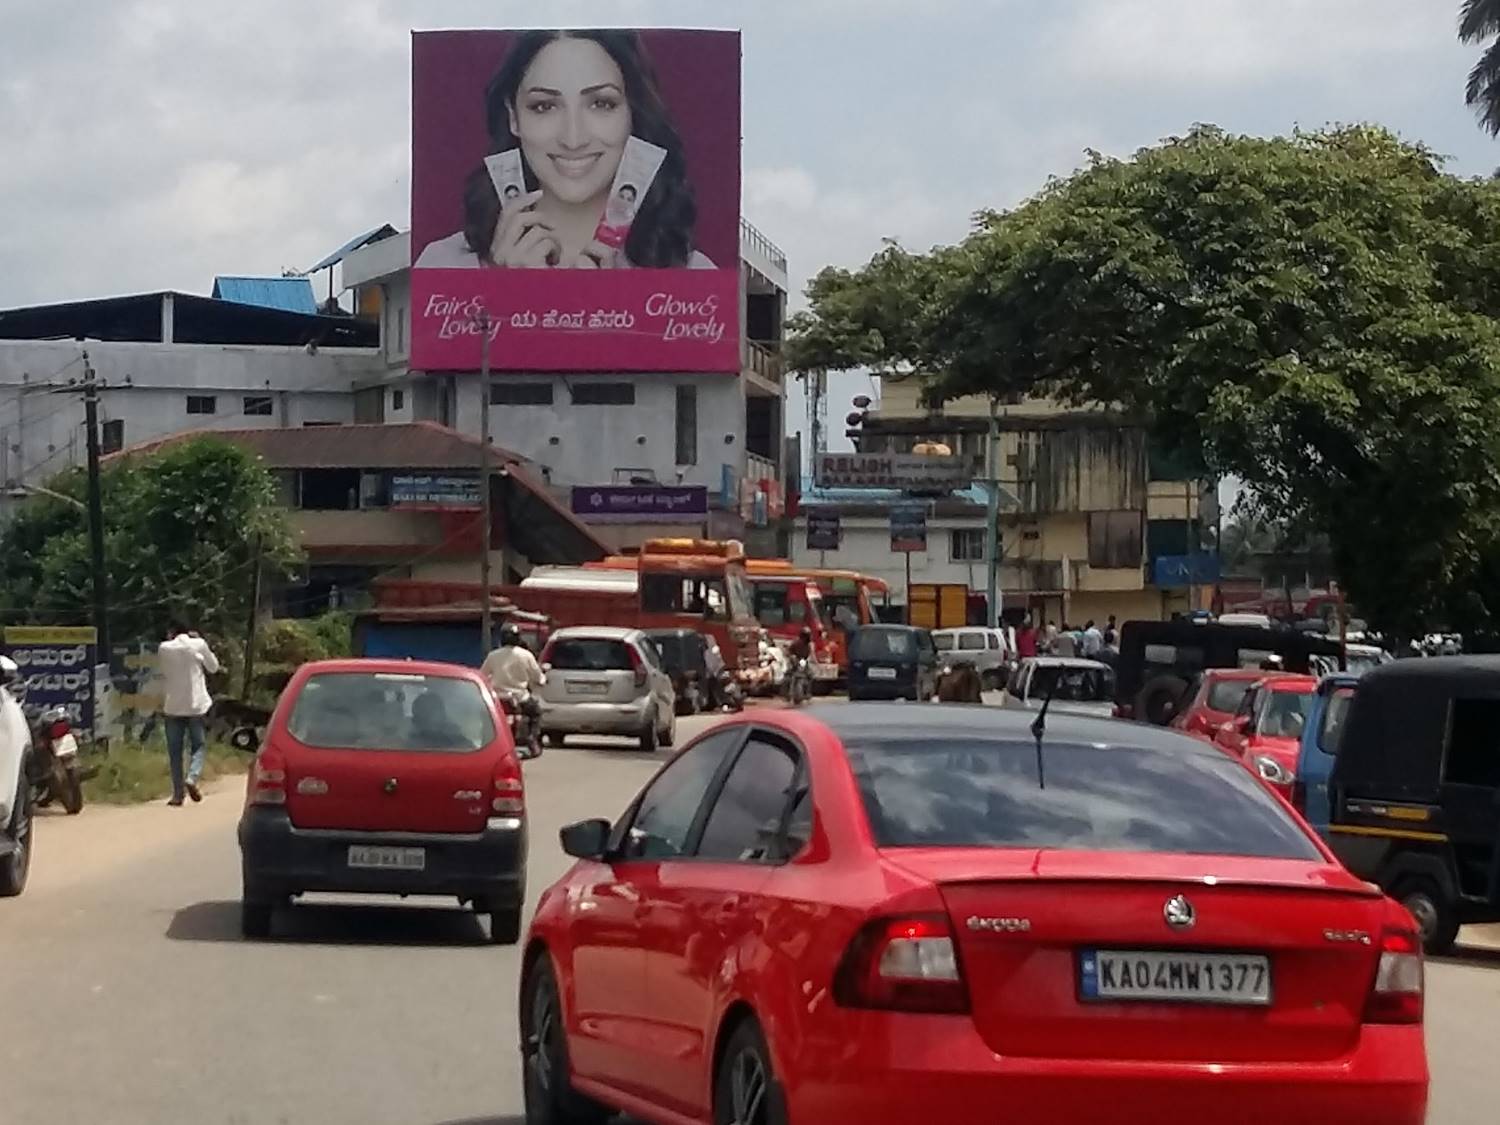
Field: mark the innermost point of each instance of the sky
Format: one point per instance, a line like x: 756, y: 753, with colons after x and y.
x: 152, y: 144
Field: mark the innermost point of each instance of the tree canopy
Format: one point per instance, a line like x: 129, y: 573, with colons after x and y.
x: 1313, y: 313
x: 182, y: 530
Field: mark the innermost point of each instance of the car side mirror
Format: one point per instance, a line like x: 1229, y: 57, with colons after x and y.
x: 588, y: 839
x: 10, y: 671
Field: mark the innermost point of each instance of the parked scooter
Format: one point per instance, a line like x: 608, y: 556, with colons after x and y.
x: 55, y: 771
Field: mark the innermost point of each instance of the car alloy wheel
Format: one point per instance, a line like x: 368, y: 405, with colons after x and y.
x: 748, y: 1086
x: 15, y: 868
x: 745, y: 1088
x: 541, y: 1040
x: 546, y: 1085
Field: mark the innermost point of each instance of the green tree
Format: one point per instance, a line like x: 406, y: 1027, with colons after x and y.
x: 1479, y: 22
x: 1310, y: 313
x: 182, y: 531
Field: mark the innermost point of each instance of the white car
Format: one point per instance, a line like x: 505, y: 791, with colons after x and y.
x: 990, y: 651
x: 608, y: 681
x: 15, y: 793
x: 1076, y: 686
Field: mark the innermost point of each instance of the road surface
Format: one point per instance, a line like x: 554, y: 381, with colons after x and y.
x: 130, y: 999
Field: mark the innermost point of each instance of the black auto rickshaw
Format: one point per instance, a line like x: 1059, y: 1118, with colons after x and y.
x: 1415, y: 792
x: 1158, y: 660
x: 684, y: 654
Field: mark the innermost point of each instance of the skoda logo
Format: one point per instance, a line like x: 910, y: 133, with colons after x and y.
x: 1179, y: 913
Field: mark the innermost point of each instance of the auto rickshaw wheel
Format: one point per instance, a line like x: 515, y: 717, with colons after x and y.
x: 1436, y: 914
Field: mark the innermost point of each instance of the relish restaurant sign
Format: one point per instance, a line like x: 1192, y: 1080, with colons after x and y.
x: 908, y: 472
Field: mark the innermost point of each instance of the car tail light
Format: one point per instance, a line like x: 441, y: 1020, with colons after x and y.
x: 903, y: 964
x: 1397, y: 994
x: 509, y: 798
x: 639, y: 666
x: 268, y: 779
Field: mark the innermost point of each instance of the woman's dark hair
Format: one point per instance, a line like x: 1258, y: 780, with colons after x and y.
x: 662, y: 233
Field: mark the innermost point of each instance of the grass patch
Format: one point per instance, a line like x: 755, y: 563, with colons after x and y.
x: 133, y: 773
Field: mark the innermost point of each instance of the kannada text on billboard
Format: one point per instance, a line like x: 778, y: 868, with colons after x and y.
x: 575, y: 194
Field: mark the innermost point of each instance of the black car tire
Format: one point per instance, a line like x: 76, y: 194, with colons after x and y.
x: 1158, y: 697
x: 546, y: 1079
x: 669, y: 733
x: 505, y: 926
x: 746, y: 1091
x: 255, y: 918
x: 16, y: 867
x: 1436, y: 913
x: 648, y: 736
x: 556, y: 739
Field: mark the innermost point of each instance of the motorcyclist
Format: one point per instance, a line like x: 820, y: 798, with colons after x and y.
x: 713, y: 670
x: 802, y: 647
x: 514, y: 673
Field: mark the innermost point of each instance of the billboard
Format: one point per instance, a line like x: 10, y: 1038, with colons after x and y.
x: 908, y: 529
x: 823, y: 531
x: 57, y: 670
x: 432, y: 492
x: 909, y: 472
x: 575, y: 195
x: 659, y: 503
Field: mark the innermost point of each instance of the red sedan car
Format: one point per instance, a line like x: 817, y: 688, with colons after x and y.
x: 1266, y: 730
x: 878, y: 914
x: 1215, y: 700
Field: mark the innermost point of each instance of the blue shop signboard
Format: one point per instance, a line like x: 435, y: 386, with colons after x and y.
x: 57, y: 670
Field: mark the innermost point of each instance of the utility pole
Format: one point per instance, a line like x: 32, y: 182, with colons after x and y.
x: 486, y: 608
x: 96, y: 513
x: 1191, y: 551
x: 992, y: 519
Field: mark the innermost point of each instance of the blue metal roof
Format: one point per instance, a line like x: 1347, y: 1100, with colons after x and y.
x: 290, y: 294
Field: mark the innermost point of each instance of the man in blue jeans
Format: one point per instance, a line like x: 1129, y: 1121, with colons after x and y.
x: 185, y: 660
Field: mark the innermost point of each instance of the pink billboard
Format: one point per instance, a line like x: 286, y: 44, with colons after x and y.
x: 576, y: 194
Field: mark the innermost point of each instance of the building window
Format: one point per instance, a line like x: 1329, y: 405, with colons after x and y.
x: 1115, y: 540
x: 966, y: 545
x: 330, y: 490
x: 603, y: 394
x: 400, y: 329
x: 259, y: 405
x: 112, y: 439
x: 202, y: 404
x: 505, y: 393
x: 687, y: 425
x: 398, y: 400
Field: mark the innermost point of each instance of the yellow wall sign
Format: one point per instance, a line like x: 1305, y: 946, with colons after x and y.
x: 21, y: 635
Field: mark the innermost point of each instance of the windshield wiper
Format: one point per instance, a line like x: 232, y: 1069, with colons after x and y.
x: 1039, y: 731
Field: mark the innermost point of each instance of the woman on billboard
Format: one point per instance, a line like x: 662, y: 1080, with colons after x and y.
x: 586, y: 159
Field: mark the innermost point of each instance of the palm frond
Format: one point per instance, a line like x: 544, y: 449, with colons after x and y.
x: 1484, y: 89
x: 1479, y: 20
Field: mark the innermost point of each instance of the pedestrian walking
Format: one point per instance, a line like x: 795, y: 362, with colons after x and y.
x: 185, y: 660
x: 1092, y: 641
x: 1112, y: 634
x: 1026, y: 640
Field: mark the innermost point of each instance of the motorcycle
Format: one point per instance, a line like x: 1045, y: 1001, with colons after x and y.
x: 724, y: 692
x: 55, y: 771
x: 525, y: 718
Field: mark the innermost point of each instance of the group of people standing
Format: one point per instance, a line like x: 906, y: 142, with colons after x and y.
x: 1090, y: 642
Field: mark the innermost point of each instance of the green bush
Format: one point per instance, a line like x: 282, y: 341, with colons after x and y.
x: 133, y: 772
x: 292, y: 642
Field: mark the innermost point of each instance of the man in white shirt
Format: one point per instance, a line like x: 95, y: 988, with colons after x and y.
x: 1093, y: 641
x: 185, y: 660
x: 512, y: 671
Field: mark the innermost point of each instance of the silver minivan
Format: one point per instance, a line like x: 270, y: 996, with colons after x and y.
x: 606, y: 681
x: 988, y: 650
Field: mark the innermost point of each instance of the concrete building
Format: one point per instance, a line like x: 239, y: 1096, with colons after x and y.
x: 1093, y: 521
x: 168, y: 363
x: 720, y: 435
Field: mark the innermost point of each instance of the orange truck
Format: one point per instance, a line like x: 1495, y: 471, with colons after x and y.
x: 672, y: 584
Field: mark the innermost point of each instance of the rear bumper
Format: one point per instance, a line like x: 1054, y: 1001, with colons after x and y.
x: 902, y: 687
x: 281, y: 859
x: 938, y: 1069
x: 595, y: 718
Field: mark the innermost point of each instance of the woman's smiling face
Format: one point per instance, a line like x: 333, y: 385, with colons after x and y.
x: 572, y: 119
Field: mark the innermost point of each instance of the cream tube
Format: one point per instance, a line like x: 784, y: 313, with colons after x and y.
x: 638, y: 167
x: 507, y: 176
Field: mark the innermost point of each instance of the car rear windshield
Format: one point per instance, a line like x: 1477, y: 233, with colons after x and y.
x: 972, y: 792
x: 943, y: 641
x: 380, y: 711
x: 876, y: 643
x: 589, y: 654
x: 1072, y: 685
x: 1226, y: 695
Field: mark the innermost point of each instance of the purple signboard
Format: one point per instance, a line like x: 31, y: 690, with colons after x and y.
x: 660, y: 503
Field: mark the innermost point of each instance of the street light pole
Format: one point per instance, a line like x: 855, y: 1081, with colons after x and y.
x: 992, y: 519
x: 486, y: 607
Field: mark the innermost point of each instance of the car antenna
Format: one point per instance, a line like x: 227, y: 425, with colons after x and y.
x: 1039, y: 729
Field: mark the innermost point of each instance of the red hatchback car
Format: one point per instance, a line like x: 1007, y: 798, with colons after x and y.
x: 1215, y: 698
x: 869, y: 914
x: 386, y: 777
x: 1266, y: 730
